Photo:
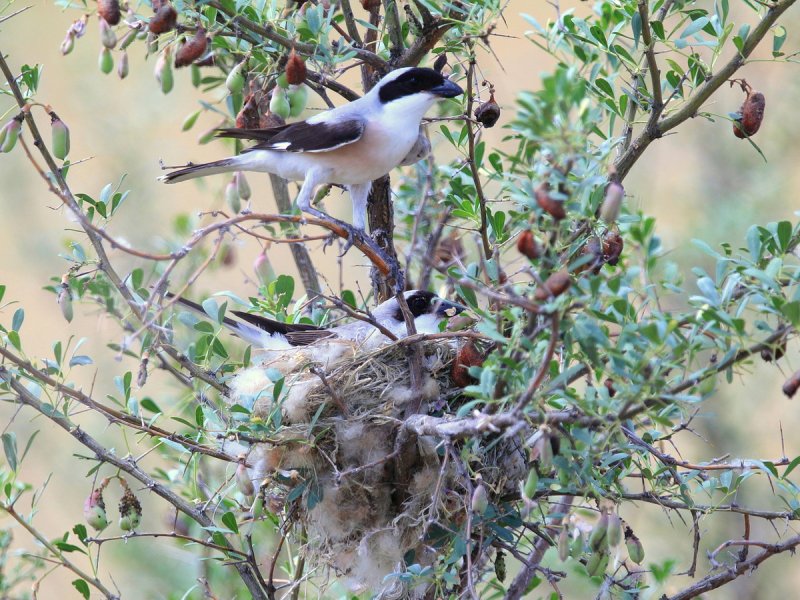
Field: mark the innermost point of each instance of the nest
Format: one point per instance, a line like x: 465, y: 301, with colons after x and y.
x: 366, y: 491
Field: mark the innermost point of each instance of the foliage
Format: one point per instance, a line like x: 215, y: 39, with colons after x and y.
x: 588, y: 364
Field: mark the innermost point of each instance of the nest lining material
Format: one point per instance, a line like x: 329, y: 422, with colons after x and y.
x: 362, y: 524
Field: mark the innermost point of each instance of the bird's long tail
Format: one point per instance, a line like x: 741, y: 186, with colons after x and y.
x: 226, y: 165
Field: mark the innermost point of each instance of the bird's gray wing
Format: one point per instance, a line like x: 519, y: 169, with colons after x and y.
x: 297, y: 334
x: 304, y: 136
x: 257, y: 135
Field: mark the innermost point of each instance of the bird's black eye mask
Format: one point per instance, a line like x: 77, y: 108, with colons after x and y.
x: 411, y: 82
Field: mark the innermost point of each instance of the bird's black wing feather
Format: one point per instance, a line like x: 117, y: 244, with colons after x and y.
x: 297, y: 334
x: 316, y: 137
x: 258, y: 135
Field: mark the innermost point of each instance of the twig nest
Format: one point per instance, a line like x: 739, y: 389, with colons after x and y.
x: 366, y: 489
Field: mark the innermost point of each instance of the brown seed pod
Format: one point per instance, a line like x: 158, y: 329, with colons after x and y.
x: 609, y: 384
x: 774, y: 352
x: 192, y: 49
x: 370, y: 4
x: 295, y: 69
x: 109, y: 11
x: 270, y: 119
x: 488, y: 113
x: 249, y: 116
x: 208, y: 61
x: 527, y: 246
x: 792, y: 384
x: 164, y: 19
x: 751, y: 114
x: 592, y: 255
x: 554, y: 286
x: 468, y: 356
x: 613, y: 245
x: 552, y: 207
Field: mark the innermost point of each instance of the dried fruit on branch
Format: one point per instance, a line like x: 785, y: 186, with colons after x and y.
x: 192, y: 49
x: 468, y: 356
x: 548, y: 204
x: 295, y: 69
x: 792, y: 384
x: 109, y: 11
x: 554, y: 286
x: 488, y: 113
x: 60, y: 136
x: 750, y: 115
x: 527, y: 245
x: 164, y: 20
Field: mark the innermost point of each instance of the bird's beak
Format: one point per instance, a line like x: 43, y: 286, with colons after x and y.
x: 447, y: 90
x: 445, y: 308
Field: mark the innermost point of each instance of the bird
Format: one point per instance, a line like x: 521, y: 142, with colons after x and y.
x: 428, y: 310
x: 350, y: 145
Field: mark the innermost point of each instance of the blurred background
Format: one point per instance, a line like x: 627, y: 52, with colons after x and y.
x: 699, y: 181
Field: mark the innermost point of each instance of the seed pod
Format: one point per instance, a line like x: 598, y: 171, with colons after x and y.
x: 64, y: 299
x: 298, y: 98
x: 554, y: 286
x: 596, y: 563
x: 232, y: 197
x: 531, y: 484
x: 500, y: 566
x: 78, y: 27
x: 163, y: 72
x: 552, y: 207
x: 130, y: 510
x: 109, y: 11
x: 10, y: 134
x: 792, y: 384
x: 752, y: 114
x: 598, y: 540
x: 295, y: 69
x: 192, y: 49
x: 60, y: 136
x: 94, y: 508
x: 129, y: 37
x: 369, y: 5
x: 107, y: 36
x: 106, y: 61
x: 263, y: 268
x: 468, y: 356
x: 269, y: 119
x: 68, y: 44
x: 242, y: 186
x: 613, y: 245
x: 197, y: 76
x: 774, y: 352
x: 480, y: 499
x: 563, y: 544
x: 591, y: 255
x: 609, y: 383
x: 440, y: 62
x: 614, y: 530
x: 122, y: 65
x: 527, y: 246
x: 279, y: 103
x: 164, y: 19
x: 244, y: 481
x: 249, y: 117
x: 612, y: 203
x: 235, y: 80
x: 634, y: 546
x: 282, y: 81
x: 488, y: 113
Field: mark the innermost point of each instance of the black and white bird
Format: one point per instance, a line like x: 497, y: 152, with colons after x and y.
x: 428, y: 309
x: 350, y: 145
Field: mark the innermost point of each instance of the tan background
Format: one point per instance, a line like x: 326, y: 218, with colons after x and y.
x: 699, y: 182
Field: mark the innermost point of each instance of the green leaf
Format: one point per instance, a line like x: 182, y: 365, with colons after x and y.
x: 229, y: 520
x: 791, y: 310
x: 211, y: 308
x: 694, y: 27
x: 658, y: 29
x: 10, y: 449
x: 149, y: 404
x: 17, y: 319
x: 80, y: 360
x: 779, y: 37
x: 82, y: 587
x: 67, y: 547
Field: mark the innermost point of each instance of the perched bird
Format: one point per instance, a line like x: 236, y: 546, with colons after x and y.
x: 350, y: 145
x: 427, y: 308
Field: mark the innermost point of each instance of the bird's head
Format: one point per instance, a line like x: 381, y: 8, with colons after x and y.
x: 427, y: 308
x: 414, y: 89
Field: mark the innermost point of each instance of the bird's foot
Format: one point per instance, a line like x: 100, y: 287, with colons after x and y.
x: 354, y: 234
